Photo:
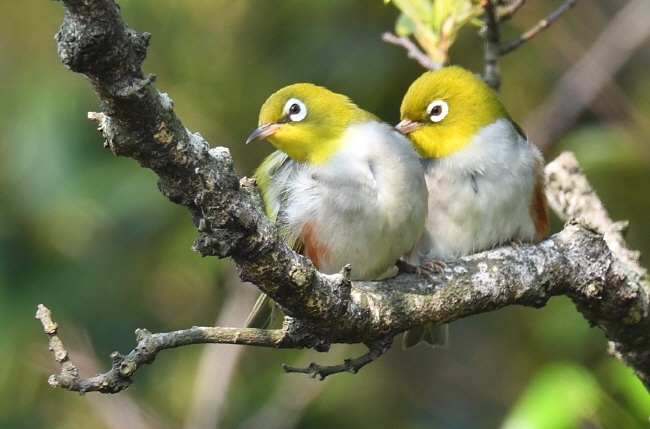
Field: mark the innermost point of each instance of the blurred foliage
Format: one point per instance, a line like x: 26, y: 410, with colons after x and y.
x: 89, y: 235
x: 564, y: 396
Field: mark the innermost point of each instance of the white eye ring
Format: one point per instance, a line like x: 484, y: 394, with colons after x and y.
x: 437, y: 110
x: 296, y: 109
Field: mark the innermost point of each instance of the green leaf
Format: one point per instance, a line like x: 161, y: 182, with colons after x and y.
x: 404, y: 27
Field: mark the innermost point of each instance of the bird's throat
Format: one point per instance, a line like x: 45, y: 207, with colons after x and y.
x: 432, y: 142
x: 313, y: 151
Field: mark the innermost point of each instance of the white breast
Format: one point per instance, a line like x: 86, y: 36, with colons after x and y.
x: 366, y: 205
x: 480, y: 196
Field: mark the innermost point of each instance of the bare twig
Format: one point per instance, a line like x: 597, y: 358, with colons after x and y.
x: 541, y: 25
x: 349, y: 365
x: 149, y: 345
x: 491, y: 46
x: 506, y: 12
x: 68, y: 369
x: 412, y: 50
x: 117, y: 411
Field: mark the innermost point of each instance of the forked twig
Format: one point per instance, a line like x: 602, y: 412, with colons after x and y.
x: 352, y: 366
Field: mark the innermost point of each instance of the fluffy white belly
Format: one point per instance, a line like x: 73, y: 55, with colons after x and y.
x: 462, y: 221
x: 365, y: 207
x: 480, y: 197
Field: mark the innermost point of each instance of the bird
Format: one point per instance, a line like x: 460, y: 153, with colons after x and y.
x: 343, y: 187
x: 485, y: 179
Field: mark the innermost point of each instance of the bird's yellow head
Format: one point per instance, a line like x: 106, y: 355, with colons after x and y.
x: 306, y: 121
x: 443, y: 110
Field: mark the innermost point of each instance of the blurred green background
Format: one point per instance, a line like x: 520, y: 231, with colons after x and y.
x: 88, y: 234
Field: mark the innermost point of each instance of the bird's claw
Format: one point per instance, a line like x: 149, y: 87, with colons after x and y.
x: 428, y: 269
x: 434, y: 265
x: 515, y: 243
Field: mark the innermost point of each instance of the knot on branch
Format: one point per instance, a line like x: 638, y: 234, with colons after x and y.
x: 115, y: 136
x: 88, y: 38
x: 228, y: 211
x: 121, y: 366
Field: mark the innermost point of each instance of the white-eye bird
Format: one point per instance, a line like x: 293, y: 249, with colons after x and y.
x: 485, y: 179
x: 343, y: 187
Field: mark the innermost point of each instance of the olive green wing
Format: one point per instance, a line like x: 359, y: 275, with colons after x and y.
x: 272, y: 180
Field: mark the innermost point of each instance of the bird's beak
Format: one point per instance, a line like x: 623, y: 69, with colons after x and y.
x: 407, y: 126
x: 263, y: 131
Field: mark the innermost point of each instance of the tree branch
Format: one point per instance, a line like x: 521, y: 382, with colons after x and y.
x: 627, y: 325
x: 138, y: 121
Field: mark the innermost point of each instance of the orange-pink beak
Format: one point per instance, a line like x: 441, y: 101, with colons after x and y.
x: 263, y: 131
x: 406, y: 126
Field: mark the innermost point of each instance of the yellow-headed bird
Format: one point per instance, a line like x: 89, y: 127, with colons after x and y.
x: 343, y: 187
x: 485, y: 179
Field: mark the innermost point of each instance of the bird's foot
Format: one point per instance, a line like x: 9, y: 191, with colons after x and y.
x: 515, y: 243
x: 434, y: 265
x: 429, y: 269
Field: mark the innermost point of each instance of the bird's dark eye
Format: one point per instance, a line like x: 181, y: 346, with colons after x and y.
x: 295, y: 109
x: 437, y: 110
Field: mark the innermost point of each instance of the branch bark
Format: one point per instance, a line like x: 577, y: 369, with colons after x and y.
x: 609, y: 288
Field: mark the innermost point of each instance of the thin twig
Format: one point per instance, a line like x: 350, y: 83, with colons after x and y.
x: 412, y: 50
x: 352, y: 366
x: 68, y: 369
x: 492, y: 46
x: 123, y: 368
x: 541, y: 25
x: 509, y: 10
